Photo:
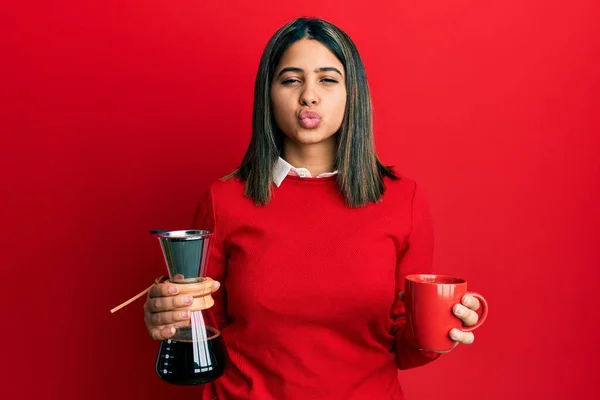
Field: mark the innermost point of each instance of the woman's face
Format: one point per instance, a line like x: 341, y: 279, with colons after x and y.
x: 308, y: 93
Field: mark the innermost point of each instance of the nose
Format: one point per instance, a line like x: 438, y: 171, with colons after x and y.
x: 309, y: 96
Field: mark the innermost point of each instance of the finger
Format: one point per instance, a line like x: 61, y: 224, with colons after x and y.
x: 467, y: 316
x: 163, y: 289
x: 162, y: 333
x: 180, y: 324
x: 203, y: 288
x: 163, y: 304
x: 471, y: 302
x: 167, y: 318
x: 201, y: 303
x: 168, y: 289
x: 462, y: 337
x: 160, y: 304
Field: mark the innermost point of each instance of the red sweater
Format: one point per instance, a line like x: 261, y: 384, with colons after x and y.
x: 308, y: 304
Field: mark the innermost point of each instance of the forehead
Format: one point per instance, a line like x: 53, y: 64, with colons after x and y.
x: 309, y: 54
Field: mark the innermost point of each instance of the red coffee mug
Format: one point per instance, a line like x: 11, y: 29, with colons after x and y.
x: 429, y: 300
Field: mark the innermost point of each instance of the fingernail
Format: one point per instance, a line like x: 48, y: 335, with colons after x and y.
x: 458, y: 310
x: 184, y: 314
x: 173, y: 289
x: 454, y: 334
x: 467, y: 301
x: 172, y: 331
x: 188, y: 300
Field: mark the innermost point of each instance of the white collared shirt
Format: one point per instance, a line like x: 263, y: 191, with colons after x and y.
x: 283, y: 169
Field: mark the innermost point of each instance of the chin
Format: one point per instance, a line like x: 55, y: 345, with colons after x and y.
x: 311, y: 136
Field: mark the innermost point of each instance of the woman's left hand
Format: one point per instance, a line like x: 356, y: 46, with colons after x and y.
x: 466, y: 313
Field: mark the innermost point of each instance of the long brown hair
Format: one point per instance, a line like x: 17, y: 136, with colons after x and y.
x: 360, y: 173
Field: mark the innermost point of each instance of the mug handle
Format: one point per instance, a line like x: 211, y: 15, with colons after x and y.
x: 484, y: 312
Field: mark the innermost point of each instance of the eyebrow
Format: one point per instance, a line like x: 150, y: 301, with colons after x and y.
x: 296, y: 69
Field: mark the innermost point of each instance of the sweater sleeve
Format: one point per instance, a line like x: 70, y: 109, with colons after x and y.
x: 415, y: 256
x: 216, y: 268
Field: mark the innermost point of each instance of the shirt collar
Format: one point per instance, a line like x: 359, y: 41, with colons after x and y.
x: 283, y: 169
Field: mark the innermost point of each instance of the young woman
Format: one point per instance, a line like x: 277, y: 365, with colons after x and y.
x: 313, y: 239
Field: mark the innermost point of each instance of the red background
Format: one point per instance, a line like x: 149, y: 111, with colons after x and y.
x: 116, y: 114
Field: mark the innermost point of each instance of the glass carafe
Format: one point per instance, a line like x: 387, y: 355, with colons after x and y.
x: 195, y: 354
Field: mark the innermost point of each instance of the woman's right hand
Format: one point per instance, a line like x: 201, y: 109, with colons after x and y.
x: 169, y: 305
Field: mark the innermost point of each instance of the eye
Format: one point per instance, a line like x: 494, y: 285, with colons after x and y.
x: 290, y: 81
x: 329, y: 80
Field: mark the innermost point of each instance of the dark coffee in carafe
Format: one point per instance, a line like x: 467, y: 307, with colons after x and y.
x: 189, y: 362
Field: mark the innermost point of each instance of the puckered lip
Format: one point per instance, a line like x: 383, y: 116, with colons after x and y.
x: 309, y: 114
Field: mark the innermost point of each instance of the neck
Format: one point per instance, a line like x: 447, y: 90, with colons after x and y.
x: 318, y: 158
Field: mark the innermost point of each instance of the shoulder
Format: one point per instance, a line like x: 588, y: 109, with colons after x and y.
x: 403, y: 187
x: 218, y: 196
x: 409, y: 198
x: 227, y: 192
x: 406, y: 193
x: 226, y: 185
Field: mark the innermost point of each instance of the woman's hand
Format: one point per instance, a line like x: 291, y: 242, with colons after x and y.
x: 169, y: 305
x: 466, y: 313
